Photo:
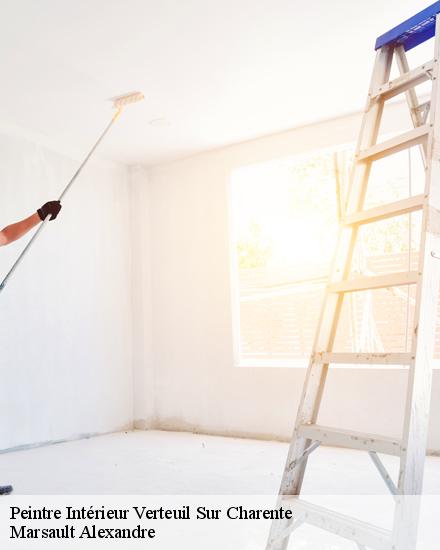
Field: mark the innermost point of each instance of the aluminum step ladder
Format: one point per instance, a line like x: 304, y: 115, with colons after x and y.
x: 308, y: 433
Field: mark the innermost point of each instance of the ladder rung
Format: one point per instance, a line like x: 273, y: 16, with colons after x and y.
x: 377, y: 281
x: 397, y: 208
x: 396, y: 144
x: 349, y: 439
x: 405, y: 81
x: 365, y: 534
x: 364, y: 358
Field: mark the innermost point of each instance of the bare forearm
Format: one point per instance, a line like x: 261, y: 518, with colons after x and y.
x: 11, y: 233
x: 16, y: 230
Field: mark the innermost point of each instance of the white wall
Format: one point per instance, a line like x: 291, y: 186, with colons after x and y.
x: 134, y: 279
x: 65, y: 317
x: 187, y: 242
x: 143, y: 370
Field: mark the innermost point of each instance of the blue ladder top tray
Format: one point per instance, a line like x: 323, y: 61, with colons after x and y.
x: 413, y: 31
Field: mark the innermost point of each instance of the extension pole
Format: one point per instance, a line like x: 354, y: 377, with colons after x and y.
x: 66, y: 189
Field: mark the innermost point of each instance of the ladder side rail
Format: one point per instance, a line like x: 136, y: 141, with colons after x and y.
x: 316, y: 373
x: 342, y: 262
x: 418, y: 398
x: 420, y: 375
x: 415, y: 427
x: 326, y: 331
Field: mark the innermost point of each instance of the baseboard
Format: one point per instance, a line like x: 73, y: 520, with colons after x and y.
x: 143, y: 424
x: 147, y: 425
x: 174, y: 427
x: 88, y: 435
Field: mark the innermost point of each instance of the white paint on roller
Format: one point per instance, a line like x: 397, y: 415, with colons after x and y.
x: 126, y: 99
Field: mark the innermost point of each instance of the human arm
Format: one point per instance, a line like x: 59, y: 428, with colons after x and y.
x: 16, y: 230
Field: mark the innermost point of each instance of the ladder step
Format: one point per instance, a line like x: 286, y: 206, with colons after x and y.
x: 396, y: 144
x: 365, y: 534
x: 405, y: 81
x: 364, y: 358
x: 378, y: 281
x: 351, y: 440
x: 379, y: 213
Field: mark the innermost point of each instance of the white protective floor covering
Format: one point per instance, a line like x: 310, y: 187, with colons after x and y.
x: 155, y: 462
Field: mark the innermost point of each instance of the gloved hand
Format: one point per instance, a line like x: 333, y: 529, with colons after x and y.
x: 52, y: 207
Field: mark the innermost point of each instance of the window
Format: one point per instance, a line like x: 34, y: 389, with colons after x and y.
x: 285, y: 216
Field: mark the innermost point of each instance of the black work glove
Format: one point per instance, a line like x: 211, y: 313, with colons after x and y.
x: 52, y: 207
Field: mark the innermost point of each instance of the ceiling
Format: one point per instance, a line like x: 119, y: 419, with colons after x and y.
x: 214, y: 72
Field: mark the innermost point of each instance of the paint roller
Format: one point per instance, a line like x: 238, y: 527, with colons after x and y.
x: 119, y: 102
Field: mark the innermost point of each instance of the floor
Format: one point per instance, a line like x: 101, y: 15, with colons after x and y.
x: 155, y: 462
